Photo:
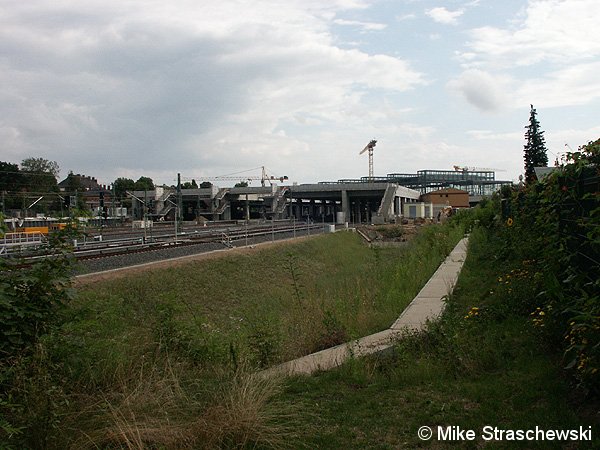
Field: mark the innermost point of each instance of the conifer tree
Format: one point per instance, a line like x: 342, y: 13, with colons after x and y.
x: 535, y: 148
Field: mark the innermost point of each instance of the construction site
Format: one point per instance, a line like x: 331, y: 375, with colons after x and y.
x: 369, y: 199
x: 365, y: 200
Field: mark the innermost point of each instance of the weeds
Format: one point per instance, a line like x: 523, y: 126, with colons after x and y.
x: 164, y: 408
x: 480, y: 364
x: 292, y: 266
x: 334, y: 332
x: 133, y: 365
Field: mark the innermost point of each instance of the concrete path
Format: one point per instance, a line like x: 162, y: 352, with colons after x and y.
x: 427, y: 305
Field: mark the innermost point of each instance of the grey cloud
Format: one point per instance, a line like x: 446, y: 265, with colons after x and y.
x: 483, y: 90
x: 124, y: 88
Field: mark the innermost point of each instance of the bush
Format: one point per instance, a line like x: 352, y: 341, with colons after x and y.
x: 31, y: 299
x: 551, y: 234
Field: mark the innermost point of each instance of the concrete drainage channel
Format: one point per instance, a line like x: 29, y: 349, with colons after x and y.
x: 427, y: 305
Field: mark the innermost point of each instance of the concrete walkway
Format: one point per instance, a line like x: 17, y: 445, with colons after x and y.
x: 427, y: 305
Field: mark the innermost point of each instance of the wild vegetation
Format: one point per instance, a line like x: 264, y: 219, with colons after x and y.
x: 165, y: 358
x: 484, y: 363
x: 553, y: 229
x: 517, y: 347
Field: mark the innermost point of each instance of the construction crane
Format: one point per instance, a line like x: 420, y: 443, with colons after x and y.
x: 476, y: 169
x: 369, y: 147
x: 264, y: 177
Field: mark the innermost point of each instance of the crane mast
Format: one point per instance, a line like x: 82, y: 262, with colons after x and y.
x: 369, y: 147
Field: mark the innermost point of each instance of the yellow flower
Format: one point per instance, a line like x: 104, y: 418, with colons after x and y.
x: 509, y: 222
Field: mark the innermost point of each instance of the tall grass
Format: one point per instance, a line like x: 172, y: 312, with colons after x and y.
x: 263, y: 308
x: 473, y: 368
x: 165, y: 407
x: 163, y: 359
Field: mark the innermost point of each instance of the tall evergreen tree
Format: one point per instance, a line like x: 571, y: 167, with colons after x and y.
x: 535, y: 148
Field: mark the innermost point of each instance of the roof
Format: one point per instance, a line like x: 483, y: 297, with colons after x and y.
x: 447, y: 191
x: 86, y: 182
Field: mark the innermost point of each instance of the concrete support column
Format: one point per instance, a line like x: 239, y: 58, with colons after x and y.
x: 273, y: 207
x: 346, y: 206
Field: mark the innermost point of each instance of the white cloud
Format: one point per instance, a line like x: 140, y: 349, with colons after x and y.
x: 492, y: 92
x: 404, y: 17
x: 445, y: 16
x: 489, y: 135
x: 550, y: 52
x: 365, y: 26
x: 509, y: 146
x: 575, y: 85
x: 551, y: 30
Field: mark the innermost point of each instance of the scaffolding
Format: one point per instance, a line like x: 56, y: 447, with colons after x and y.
x: 476, y: 183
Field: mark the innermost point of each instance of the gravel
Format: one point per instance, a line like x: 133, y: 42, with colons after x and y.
x: 132, y: 259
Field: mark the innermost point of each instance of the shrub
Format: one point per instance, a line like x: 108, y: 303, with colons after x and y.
x: 551, y: 228
x: 30, y: 300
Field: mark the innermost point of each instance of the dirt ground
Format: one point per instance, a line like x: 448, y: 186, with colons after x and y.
x: 392, y: 232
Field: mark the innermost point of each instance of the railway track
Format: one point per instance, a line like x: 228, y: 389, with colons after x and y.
x: 191, y: 239
x: 129, y: 251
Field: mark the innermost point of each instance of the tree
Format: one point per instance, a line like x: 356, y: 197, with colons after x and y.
x: 12, y: 181
x: 144, y: 184
x: 241, y: 184
x: 121, y: 185
x: 535, y: 147
x: 40, y: 165
x: 188, y: 185
x: 40, y: 175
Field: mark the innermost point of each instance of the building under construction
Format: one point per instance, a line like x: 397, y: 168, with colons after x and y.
x: 367, y: 199
x: 478, y: 183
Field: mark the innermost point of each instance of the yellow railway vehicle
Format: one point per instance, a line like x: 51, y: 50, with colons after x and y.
x: 42, y: 230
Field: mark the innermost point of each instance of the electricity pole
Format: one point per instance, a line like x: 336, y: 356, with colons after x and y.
x: 179, y: 201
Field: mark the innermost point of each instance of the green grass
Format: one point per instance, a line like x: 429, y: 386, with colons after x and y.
x: 269, y: 306
x: 469, y: 372
x: 164, y: 358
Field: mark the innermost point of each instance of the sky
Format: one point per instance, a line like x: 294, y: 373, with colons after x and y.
x: 131, y: 88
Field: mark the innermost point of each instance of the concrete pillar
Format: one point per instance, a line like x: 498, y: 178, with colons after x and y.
x: 346, y: 206
x: 247, y: 207
x: 273, y: 207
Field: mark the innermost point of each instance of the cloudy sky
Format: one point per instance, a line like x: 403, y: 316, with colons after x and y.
x: 114, y: 88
